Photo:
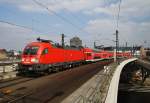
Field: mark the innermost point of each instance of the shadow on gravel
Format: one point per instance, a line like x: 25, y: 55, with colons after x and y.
x: 131, y: 84
x: 54, y: 96
x: 133, y: 97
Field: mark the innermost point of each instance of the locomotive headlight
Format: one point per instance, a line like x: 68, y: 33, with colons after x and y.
x: 34, y: 60
x: 23, y: 59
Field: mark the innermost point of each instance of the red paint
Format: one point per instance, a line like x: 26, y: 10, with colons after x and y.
x: 52, y: 55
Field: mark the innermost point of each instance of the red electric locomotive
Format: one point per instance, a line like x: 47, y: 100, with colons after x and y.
x: 42, y: 56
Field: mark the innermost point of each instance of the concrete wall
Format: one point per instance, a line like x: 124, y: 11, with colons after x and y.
x: 113, y: 88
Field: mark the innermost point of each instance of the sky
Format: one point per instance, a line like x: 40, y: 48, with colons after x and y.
x: 22, y: 21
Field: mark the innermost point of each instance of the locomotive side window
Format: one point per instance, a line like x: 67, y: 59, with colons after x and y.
x: 31, y: 50
x: 45, y: 51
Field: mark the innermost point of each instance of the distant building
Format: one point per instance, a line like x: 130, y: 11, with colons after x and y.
x: 75, y: 42
x: 3, y: 54
x: 14, y: 54
x: 145, y: 53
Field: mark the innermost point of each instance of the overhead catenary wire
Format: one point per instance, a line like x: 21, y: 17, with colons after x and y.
x: 116, y: 25
x: 33, y: 20
x: 118, y: 14
x: 74, y: 16
x: 21, y: 26
x: 117, y: 31
x: 59, y: 16
x: 118, y: 18
x: 13, y: 24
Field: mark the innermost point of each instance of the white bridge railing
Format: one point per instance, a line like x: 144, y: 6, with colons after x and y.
x: 113, y: 88
x: 102, y: 88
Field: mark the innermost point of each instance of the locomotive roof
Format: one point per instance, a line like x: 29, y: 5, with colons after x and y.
x: 38, y: 44
x: 50, y: 44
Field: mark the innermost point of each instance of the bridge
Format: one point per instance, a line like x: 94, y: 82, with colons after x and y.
x: 104, y: 86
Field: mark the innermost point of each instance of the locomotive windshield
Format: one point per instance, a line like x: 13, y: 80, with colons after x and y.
x: 31, y: 50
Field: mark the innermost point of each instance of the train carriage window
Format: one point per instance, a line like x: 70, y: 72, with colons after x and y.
x: 45, y: 51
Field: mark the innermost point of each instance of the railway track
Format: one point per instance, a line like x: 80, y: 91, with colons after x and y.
x: 53, y: 88
x: 8, y: 80
x: 19, y: 79
x: 24, y: 89
x: 15, y: 81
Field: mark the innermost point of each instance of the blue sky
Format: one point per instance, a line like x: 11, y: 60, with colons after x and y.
x: 93, y: 20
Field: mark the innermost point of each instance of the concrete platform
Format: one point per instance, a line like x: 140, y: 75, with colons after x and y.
x: 7, y: 68
x: 8, y: 71
x: 91, y: 91
x: 8, y: 75
x: 98, y: 88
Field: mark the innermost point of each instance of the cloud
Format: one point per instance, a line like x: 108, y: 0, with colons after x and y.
x: 134, y: 33
x: 24, y: 5
x: 130, y: 29
x: 130, y: 9
x: 13, y: 37
x: 55, y: 5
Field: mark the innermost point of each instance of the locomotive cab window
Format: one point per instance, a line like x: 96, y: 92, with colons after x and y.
x: 31, y: 50
x: 45, y: 51
x: 89, y: 54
